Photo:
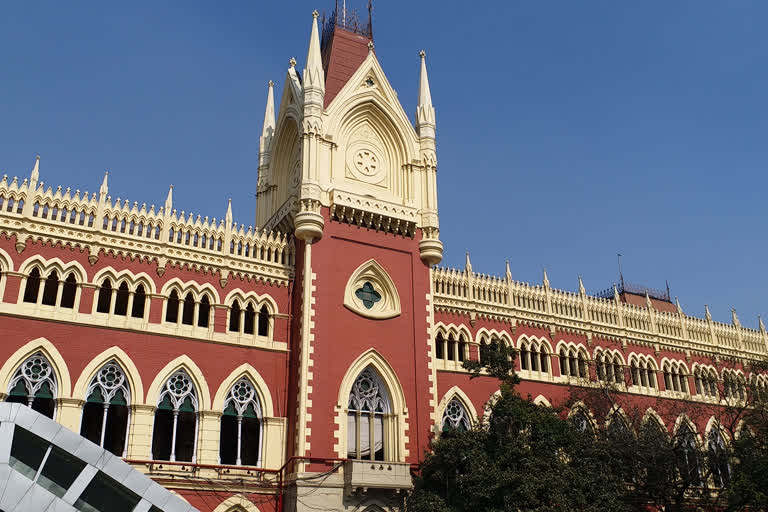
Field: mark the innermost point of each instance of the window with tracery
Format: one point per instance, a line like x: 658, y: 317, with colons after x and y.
x: 534, y: 357
x: 706, y: 383
x: 573, y: 364
x: 188, y: 310
x: 121, y: 300
x: 450, y: 349
x: 643, y: 374
x: 105, y: 413
x: 717, y: 453
x: 368, y: 418
x: 675, y: 378
x: 455, y: 416
x: 241, y: 426
x: 581, y: 422
x: 687, y: 455
x: 34, y: 384
x: 174, y: 435
x: 609, y: 368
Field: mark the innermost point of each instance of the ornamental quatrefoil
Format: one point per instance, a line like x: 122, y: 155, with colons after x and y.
x: 368, y: 295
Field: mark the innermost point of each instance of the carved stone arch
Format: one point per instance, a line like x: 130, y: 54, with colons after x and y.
x: 194, y: 372
x: 236, y: 503
x: 46, y: 265
x: 683, y: 419
x: 42, y: 345
x: 714, y: 424
x: 372, y: 278
x: 457, y: 393
x: 135, y: 385
x: 542, y: 401
x: 6, y: 262
x: 259, y: 384
x: 616, y: 414
x: 652, y: 415
x: 562, y: 344
x: 579, y: 407
x: 258, y: 300
x: 184, y: 287
x: 374, y: 360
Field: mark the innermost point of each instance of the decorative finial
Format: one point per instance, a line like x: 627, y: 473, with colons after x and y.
x: 370, y: 46
x: 508, y: 272
x: 735, y: 318
x: 468, y: 264
x: 648, y: 302
x: 707, y: 314
x: 545, y: 279
x: 315, y: 14
x: 271, y: 83
x: 292, y: 62
x: 582, y: 290
x: 760, y: 323
x: 422, y: 54
x: 679, y: 309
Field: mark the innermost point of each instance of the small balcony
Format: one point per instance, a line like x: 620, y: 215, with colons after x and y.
x: 362, y: 475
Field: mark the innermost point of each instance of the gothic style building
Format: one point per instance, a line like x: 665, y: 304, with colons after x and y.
x: 307, y: 364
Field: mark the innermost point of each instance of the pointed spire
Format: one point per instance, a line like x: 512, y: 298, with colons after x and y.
x: 269, y: 120
x: 169, y: 201
x: 314, y: 77
x: 707, y: 314
x: 760, y: 324
x: 104, y: 189
x: 228, y: 216
x: 582, y: 290
x: 425, y: 112
x: 679, y: 309
x: 735, y: 318
x: 468, y: 264
x: 616, y: 293
x: 35, y: 170
x: 508, y: 273
x: 545, y: 280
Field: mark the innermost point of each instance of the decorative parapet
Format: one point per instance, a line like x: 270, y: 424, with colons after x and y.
x: 502, y: 298
x: 96, y: 222
x: 373, y: 213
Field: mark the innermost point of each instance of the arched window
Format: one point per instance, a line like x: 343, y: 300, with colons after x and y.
x: 32, y: 288
x: 525, y: 357
x: 240, y: 437
x: 234, y: 317
x: 69, y: 291
x: 204, y: 313
x: 104, y: 303
x: 451, y: 348
x: 618, y: 371
x: 544, y: 358
x: 139, y: 302
x: 264, y: 321
x: 455, y: 416
x: 51, y: 289
x: 718, y: 459
x: 174, y: 435
x: 249, y: 319
x: 105, y: 413
x: 687, y: 455
x: 581, y: 422
x: 121, y: 299
x: 34, y: 384
x: 440, y: 347
x: 172, y: 308
x: 188, y: 313
x: 368, y: 418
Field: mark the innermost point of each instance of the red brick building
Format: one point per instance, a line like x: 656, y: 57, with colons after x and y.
x: 309, y: 362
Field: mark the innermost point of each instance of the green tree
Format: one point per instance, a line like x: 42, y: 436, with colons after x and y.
x: 523, y: 457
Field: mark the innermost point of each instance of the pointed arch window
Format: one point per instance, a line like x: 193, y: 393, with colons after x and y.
x: 204, y: 311
x: 581, y: 422
x: 249, y: 319
x: 51, y: 289
x: 172, y: 308
x: 105, y: 412
x: 121, y: 299
x: 241, y: 426
x: 34, y: 385
x: 234, y: 316
x: 687, y: 455
x: 69, y: 291
x: 717, y: 454
x: 455, y: 416
x: 440, y: 347
x: 174, y: 436
x: 264, y: 321
x: 188, y: 313
x: 32, y: 289
x: 139, y: 302
x: 369, y: 418
x: 104, y: 303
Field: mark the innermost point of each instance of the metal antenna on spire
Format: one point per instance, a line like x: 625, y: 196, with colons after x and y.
x: 621, y: 274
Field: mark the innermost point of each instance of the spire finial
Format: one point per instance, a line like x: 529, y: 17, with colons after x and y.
x: 370, y: 47
x: 582, y: 290
x: 760, y: 323
x: 315, y: 14
x: 228, y: 216
x: 679, y: 309
x: 545, y: 279
x: 707, y: 314
x: 314, y: 77
x: 169, y: 200
x: 292, y: 62
x: 648, y: 302
x: 425, y: 112
x: 468, y: 264
x: 269, y: 120
x: 104, y: 189
x: 508, y: 272
x: 735, y: 318
x: 36, y: 169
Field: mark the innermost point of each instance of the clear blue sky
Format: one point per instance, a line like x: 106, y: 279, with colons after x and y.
x: 567, y: 131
